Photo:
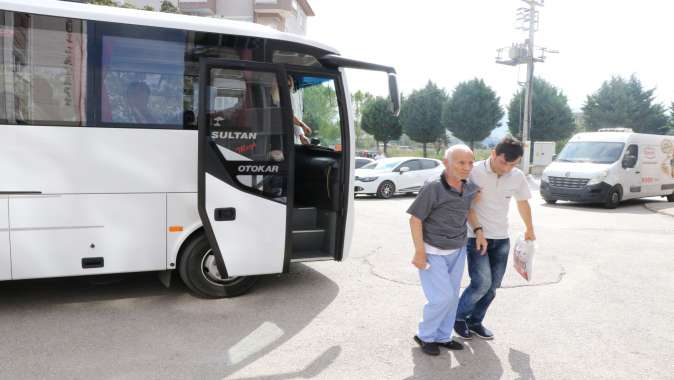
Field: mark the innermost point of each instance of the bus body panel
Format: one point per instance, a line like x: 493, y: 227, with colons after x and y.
x: 67, y: 160
x: 5, y: 256
x: 126, y: 230
x: 266, y: 241
x: 181, y: 211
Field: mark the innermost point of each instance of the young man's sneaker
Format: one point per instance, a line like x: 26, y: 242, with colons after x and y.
x: 481, y: 331
x: 461, y: 329
x: 452, y: 345
x: 429, y: 348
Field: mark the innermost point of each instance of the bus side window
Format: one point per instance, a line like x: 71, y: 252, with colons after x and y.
x: 45, y: 70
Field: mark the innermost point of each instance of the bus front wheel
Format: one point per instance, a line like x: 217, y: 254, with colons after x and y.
x: 200, y: 274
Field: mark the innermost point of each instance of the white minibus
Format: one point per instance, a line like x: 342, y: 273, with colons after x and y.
x: 146, y: 141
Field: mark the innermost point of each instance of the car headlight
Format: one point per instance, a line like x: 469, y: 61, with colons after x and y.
x: 599, y: 178
x: 545, y: 178
x: 366, y: 179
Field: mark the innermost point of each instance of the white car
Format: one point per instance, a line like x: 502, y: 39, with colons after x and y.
x: 389, y: 176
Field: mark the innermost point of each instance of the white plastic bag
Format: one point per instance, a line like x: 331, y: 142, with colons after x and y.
x: 523, y: 257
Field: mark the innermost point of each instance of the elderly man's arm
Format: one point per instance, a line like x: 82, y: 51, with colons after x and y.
x: 473, y: 223
x: 525, y: 213
x: 419, y: 259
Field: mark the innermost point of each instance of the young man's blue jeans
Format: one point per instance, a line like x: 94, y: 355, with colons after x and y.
x: 486, y: 273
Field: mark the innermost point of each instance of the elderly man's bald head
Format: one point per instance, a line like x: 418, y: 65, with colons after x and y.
x: 458, y: 161
x: 458, y: 148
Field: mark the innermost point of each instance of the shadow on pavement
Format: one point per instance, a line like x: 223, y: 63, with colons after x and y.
x: 476, y: 361
x: 132, y: 327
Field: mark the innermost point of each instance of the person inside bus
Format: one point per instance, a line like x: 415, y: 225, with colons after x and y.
x: 138, y: 102
x: 301, y: 129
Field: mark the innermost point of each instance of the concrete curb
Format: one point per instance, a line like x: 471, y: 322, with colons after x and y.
x: 661, y: 208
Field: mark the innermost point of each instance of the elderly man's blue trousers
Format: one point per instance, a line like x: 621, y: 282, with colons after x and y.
x: 441, y: 284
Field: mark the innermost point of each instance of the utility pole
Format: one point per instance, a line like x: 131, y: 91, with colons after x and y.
x: 523, y: 53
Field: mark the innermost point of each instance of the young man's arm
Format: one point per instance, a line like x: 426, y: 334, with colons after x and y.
x: 473, y: 223
x: 419, y: 259
x: 525, y: 212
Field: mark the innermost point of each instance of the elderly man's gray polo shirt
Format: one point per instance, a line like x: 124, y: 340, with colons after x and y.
x: 444, y: 212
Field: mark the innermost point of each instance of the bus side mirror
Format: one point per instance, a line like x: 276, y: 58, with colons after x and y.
x: 393, y: 92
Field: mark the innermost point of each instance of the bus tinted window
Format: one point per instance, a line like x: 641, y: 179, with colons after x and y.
x: 43, y: 69
x: 143, y: 80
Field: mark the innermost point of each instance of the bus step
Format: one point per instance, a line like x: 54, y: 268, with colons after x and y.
x: 304, y: 218
x: 310, y: 256
x: 308, y: 240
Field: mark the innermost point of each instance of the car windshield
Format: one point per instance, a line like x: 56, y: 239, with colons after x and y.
x: 591, y: 151
x: 382, y: 165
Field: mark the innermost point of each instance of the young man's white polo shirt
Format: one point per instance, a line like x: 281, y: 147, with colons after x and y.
x: 496, y: 194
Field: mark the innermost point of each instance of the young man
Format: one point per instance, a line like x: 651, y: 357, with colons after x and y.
x: 438, y: 225
x: 499, y: 181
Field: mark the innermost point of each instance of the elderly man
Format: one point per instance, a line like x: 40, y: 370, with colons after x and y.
x: 438, y: 223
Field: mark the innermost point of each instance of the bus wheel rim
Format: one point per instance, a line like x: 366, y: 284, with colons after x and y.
x: 209, y: 270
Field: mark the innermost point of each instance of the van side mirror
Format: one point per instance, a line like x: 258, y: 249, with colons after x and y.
x: 315, y: 141
x: 554, y: 157
x: 404, y: 169
x: 629, y: 161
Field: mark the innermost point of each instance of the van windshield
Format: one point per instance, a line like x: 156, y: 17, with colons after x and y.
x: 591, y: 151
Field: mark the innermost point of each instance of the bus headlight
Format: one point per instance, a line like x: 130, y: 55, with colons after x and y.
x: 366, y: 179
x: 599, y: 178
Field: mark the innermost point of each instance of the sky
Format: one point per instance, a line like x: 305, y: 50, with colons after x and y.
x: 450, y: 41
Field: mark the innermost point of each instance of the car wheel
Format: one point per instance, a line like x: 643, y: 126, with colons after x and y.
x: 386, y: 190
x: 613, y: 198
x: 200, y: 274
x: 550, y: 201
x: 670, y: 198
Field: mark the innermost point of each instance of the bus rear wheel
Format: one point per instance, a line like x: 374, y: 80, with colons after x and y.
x: 199, y: 272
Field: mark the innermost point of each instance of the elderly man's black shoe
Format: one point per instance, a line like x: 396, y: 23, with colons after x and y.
x: 452, y: 345
x: 429, y: 348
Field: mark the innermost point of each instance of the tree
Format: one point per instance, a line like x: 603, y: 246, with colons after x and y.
x: 551, y: 119
x: 110, y: 3
x: 359, y: 99
x: 320, y: 113
x: 625, y: 103
x: 472, y: 112
x: 671, y: 119
x: 148, y: 8
x: 168, y: 7
x: 379, y: 121
x: 421, y: 114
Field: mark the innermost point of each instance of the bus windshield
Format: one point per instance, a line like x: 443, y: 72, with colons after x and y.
x: 591, y: 151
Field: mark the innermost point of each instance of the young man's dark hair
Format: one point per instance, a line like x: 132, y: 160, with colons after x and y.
x: 511, y: 147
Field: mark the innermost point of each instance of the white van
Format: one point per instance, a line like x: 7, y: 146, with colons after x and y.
x: 609, y: 166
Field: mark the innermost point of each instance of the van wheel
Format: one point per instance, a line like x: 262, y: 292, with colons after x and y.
x: 670, y: 198
x: 613, y: 198
x: 386, y: 190
x: 200, y: 274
